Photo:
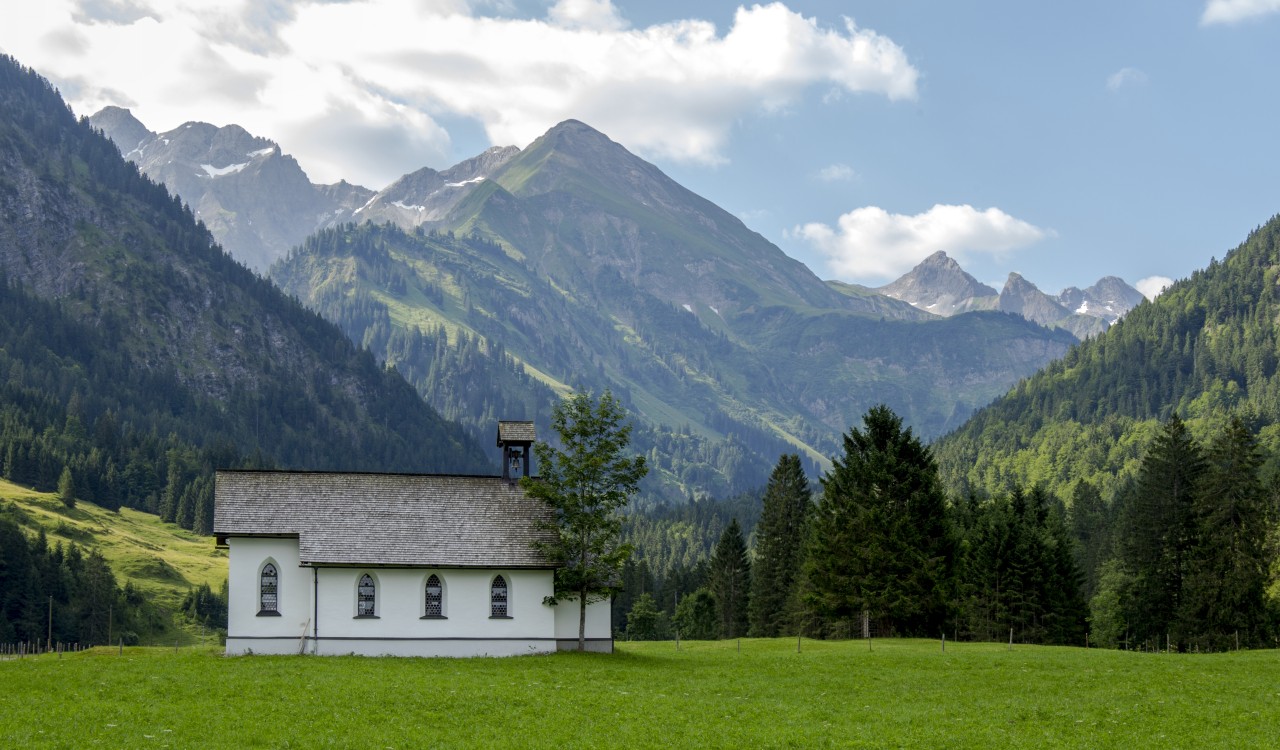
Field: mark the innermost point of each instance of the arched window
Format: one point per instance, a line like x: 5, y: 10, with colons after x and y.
x: 365, y: 597
x: 435, y: 596
x: 498, y: 597
x: 269, y: 591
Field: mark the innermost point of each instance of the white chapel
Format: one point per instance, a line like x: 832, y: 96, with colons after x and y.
x: 394, y: 564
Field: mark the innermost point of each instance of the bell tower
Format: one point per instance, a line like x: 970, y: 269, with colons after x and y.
x: 516, y: 440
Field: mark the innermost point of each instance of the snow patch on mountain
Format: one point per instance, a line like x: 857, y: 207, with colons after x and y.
x: 464, y: 183
x: 212, y: 171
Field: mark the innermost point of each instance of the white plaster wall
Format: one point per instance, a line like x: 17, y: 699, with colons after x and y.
x: 599, y: 625
x: 399, y: 628
x: 401, y: 601
x: 599, y: 619
x: 245, y: 629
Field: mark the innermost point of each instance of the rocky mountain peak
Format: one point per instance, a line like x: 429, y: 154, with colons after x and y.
x: 939, y: 285
x: 119, y: 124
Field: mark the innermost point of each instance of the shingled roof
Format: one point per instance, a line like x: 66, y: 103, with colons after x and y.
x: 516, y: 432
x: 385, y: 519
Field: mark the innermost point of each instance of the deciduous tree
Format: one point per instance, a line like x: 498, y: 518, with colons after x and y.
x: 585, y: 481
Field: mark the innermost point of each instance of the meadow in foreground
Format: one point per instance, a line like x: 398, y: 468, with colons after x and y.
x: 707, y: 694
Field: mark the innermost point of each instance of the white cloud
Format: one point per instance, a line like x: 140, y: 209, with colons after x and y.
x: 1152, y: 286
x: 586, y: 14
x: 1125, y: 77
x: 1235, y: 11
x: 315, y: 75
x: 873, y: 244
x: 836, y: 173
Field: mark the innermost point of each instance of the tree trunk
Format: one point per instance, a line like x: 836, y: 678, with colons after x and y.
x: 582, y: 620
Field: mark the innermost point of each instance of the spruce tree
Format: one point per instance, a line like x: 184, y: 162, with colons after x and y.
x: 1225, y: 592
x: 67, y: 488
x: 779, y: 548
x: 1090, y: 528
x: 881, y: 545
x: 1158, y: 532
x: 730, y: 581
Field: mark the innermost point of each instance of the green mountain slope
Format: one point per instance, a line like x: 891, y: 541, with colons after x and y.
x: 162, y: 562
x: 1206, y: 348
x: 580, y: 286
x: 139, y: 356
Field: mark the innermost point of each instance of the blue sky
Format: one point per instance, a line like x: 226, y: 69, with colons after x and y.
x: 1064, y: 141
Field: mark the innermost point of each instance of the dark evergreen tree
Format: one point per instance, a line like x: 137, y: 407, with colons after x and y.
x: 1159, y: 532
x: 1090, y: 524
x: 730, y: 581
x: 881, y: 547
x: 779, y: 549
x: 1224, y: 594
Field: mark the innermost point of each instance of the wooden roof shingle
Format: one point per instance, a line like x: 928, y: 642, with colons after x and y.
x: 385, y: 519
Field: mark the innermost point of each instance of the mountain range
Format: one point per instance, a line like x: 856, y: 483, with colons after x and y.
x: 572, y: 263
x: 940, y: 286
x: 259, y: 203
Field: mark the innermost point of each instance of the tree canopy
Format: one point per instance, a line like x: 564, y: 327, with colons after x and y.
x: 586, y: 480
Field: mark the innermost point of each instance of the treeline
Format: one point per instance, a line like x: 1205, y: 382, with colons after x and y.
x: 1181, y: 560
x: 1191, y: 562
x: 64, y: 594
x: 1206, y: 349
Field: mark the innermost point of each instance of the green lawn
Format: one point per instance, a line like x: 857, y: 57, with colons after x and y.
x: 899, y: 694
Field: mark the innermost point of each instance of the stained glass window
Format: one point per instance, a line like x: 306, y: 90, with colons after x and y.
x: 435, y: 597
x: 268, y: 599
x: 498, y: 597
x: 365, y: 597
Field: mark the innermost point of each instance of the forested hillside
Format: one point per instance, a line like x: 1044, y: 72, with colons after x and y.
x: 481, y: 332
x: 138, y: 356
x: 1205, y: 349
x: 465, y: 324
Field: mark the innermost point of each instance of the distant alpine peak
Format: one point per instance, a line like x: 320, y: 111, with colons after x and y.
x: 940, y: 286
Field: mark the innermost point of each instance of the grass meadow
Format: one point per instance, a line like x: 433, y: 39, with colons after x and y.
x: 898, y: 693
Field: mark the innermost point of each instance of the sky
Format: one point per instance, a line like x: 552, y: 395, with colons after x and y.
x: 1061, y: 141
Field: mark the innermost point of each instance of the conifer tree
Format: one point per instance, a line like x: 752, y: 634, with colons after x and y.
x: 779, y: 548
x: 1158, y: 532
x: 67, y: 488
x: 1090, y: 528
x: 1225, y: 590
x: 881, y: 545
x: 730, y: 581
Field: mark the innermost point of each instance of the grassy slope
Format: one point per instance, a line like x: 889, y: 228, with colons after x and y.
x: 902, y: 693
x: 161, y: 559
